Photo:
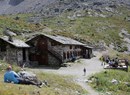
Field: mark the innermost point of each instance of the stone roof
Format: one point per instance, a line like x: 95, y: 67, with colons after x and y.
x: 16, y: 42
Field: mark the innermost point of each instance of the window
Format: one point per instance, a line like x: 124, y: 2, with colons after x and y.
x: 24, y: 54
x: 68, y: 55
x: 71, y: 53
x: 70, y: 47
x: 64, y: 55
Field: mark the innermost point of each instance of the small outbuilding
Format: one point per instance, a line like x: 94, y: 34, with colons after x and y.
x: 55, y: 50
x: 13, y: 50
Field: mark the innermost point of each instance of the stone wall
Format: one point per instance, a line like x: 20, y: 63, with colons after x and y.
x: 2, y: 55
x: 52, y: 61
x: 11, y: 55
x: 20, y: 59
x: 57, y: 47
x: 19, y: 56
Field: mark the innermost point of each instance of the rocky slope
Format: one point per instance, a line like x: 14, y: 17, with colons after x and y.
x: 58, y: 6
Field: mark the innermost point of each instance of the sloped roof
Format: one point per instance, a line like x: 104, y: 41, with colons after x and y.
x: 60, y: 39
x: 64, y: 40
x: 16, y: 42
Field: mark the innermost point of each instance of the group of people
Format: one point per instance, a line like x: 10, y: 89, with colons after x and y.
x: 11, y: 76
x: 115, y: 62
x: 112, y: 62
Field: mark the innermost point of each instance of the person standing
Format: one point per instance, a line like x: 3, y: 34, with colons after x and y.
x: 84, y: 70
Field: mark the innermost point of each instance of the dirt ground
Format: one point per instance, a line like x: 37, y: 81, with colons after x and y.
x: 92, y: 66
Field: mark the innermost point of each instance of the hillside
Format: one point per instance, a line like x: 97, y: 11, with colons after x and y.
x: 100, y: 23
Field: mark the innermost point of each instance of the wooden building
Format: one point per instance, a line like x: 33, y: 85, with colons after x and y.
x: 13, y: 50
x: 55, y: 50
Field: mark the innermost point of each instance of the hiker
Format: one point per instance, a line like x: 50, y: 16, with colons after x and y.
x: 84, y: 70
x: 12, y: 77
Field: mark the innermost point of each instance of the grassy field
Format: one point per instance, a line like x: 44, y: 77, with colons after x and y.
x: 59, y: 85
x: 105, y: 84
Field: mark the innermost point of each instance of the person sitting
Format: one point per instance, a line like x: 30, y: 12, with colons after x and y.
x: 107, y: 59
x: 111, y: 63
x: 116, y: 62
x: 12, y: 77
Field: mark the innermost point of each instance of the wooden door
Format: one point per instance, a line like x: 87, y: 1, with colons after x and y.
x: 43, y: 51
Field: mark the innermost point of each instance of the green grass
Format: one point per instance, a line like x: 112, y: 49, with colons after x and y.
x: 105, y: 84
x: 59, y: 85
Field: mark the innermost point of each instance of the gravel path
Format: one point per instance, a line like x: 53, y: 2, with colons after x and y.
x: 92, y: 66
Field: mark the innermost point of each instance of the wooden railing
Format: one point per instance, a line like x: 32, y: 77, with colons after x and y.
x: 55, y: 53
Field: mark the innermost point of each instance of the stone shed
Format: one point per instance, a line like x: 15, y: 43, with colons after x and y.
x: 13, y: 50
x: 55, y: 50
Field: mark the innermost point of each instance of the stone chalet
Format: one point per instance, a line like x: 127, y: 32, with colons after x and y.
x: 55, y: 50
x: 13, y: 50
